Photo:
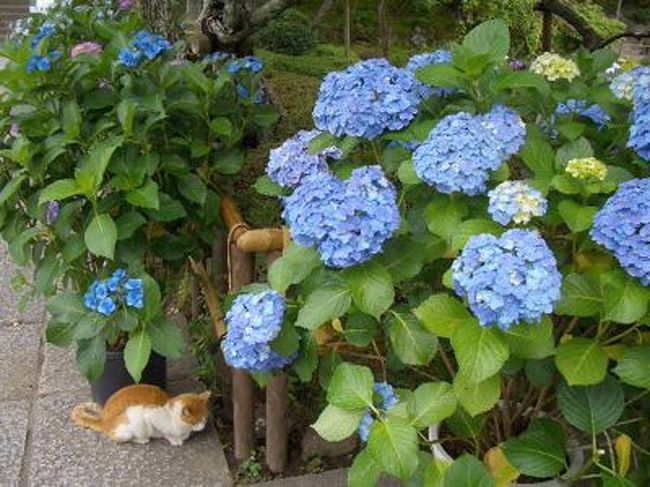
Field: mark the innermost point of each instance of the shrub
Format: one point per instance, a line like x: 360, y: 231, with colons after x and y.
x: 289, y: 34
x: 509, y: 302
x: 115, y: 154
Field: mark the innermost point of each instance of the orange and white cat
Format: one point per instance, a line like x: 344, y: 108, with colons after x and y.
x: 140, y: 412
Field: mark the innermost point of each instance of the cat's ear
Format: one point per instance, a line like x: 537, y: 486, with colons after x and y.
x: 205, y: 395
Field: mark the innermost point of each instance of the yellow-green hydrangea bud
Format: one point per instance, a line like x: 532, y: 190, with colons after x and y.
x: 554, y: 67
x: 587, y: 168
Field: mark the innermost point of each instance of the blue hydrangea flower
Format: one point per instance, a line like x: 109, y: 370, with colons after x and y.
x: 366, y: 100
x: 292, y: 163
x: 134, y: 290
x: 508, y: 129
x: 104, y: 296
x: 46, y: 30
x: 622, y: 226
x: 254, y: 321
x: 508, y: 279
x: 98, y: 298
x: 39, y: 63
x: 144, y: 45
x: 150, y: 45
x: 515, y: 201
x: 116, y: 280
x: 347, y: 221
x: 594, y: 112
x: 387, y: 399
x: 429, y: 59
x: 218, y: 56
x: 252, y: 64
x: 130, y: 58
x: 622, y: 85
x: 458, y: 155
x: 639, y: 139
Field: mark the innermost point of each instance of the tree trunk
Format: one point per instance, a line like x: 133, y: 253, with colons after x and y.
x: 347, y: 29
x: 384, y: 27
x: 563, y: 9
x: 324, y: 8
x: 547, y: 31
x: 157, y: 15
x: 230, y: 23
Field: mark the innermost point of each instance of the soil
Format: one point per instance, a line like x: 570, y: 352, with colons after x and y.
x: 303, y: 414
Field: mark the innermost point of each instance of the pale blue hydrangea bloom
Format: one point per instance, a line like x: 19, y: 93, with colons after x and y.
x: 640, y: 128
x: 347, y: 221
x: 593, y: 112
x: 292, y: 163
x: 509, y: 279
x: 458, y: 155
x: 622, y: 85
x: 515, y: 201
x: 366, y: 100
x: 254, y: 321
x: 387, y: 399
x: 429, y: 59
x: 622, y: 226
x: 508, y: 129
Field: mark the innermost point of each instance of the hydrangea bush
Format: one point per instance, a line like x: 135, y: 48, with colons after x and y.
x: 114, y: 152
x: 483, y: 255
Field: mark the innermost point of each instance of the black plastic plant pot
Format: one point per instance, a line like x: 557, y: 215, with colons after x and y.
x: 116, y: 376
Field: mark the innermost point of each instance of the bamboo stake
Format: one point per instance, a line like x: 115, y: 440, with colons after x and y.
x: 241, y: 273
x: 277, y: 424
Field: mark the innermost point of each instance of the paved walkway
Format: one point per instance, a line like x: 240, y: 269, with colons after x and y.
x: 39, y: 446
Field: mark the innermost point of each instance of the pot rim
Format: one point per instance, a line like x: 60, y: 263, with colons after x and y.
x: 575, y: 454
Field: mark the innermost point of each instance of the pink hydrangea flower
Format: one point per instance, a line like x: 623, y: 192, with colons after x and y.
x: 125, y: 4
x: 89, y: 48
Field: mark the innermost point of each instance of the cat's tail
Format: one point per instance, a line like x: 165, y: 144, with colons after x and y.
x: 88, y: 415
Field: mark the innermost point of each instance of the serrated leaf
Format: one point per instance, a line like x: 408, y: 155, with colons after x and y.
x: 531, y: 340
x: 580, y: 296
x: 540, y: 451
x: 443, y: 216
x: 166, y: 338
x: 581, y: 361
x: 365, y: 471
x: 324, y: 304
x: 480, y: 351
x: 468, y: 471
x: 634, y: 367
x: 443, y: 315
x: 136, y: 353
x: 128, y: 223
x: 351, y: 387
x: 393, y: 444
x: 477, y: 397
x: 145, y: 196
x: 336, y: 424
x: 431, y: 403
x: 592, y: 409
x: 296, y: 264
x: 625, y: 300
x: 410, y: 341
x: 371, y: 288
x: 58, y: 191
x: 91, y: 356
x: 469, y: 228
x: 577, y: 217
x: 101, y: 236
x: 192, y: 188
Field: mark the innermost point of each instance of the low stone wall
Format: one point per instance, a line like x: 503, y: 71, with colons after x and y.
x: 10, y: 11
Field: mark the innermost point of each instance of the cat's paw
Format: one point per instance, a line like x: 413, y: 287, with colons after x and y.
x: 175, y: 441
x: 141, y: 441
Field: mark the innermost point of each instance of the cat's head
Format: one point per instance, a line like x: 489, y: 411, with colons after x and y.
x: 194, y: 409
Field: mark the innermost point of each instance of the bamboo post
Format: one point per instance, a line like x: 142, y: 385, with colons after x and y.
x: 242, y: 384
x: 277, y: 423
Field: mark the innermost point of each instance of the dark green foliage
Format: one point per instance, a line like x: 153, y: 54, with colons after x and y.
x: 289, y: 34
